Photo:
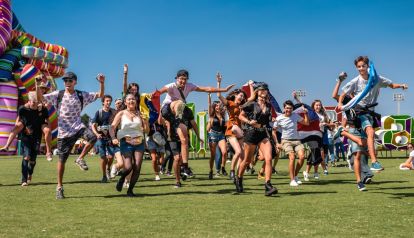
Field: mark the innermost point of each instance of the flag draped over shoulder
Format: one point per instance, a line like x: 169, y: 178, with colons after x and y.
x: 372, y: 81
x: 150, y: 106
x: 312, y: 131
x: 275, y: 105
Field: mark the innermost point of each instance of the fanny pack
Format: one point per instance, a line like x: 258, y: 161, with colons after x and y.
x: 133, y: 140
x: 158, y: 138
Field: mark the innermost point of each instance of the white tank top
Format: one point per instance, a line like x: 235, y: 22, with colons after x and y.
x: 130, y: 128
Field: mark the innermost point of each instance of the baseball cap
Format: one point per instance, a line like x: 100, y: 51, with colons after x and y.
x: 70, y: 75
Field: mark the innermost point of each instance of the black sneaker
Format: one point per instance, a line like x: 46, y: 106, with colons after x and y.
x: 210, y: 175
x: 120, y: 184
x: 239, y: 184
x: 232, y: 175
x: 183, y: 177
x: 252, y: 171
x: 367, y: 180
x: 269, y: 189
x: 130, y: 193
x: 59, y: 193
x: 188, y: 172
x: 177, y: 185
x: 361, y: 186
x: 223, y: 171
x: 104, y: 179
x: 274, y: 171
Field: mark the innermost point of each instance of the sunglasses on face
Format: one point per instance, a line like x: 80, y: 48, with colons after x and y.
x: 68, y: 80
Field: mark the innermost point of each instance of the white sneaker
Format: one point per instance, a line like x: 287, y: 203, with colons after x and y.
x: 298, y: 180
x: 113, y: 171
x: 126, y: 184
x: 402, y: 167
x: 157, y: 178
x: 316, y: 176
x: 305, y: 176
x: 293, y: 183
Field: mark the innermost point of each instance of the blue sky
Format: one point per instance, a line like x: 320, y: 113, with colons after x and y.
x: 300, y: 44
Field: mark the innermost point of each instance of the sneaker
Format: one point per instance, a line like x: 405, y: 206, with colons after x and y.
x: 305, y: 176
x: 223, y: 171
x: 316, y: 176
x: 121, y: 183
x: 298, y: 180
x: 231, y: 174
x: 177, y: 185
x: 126, y: 184
x: 188, y: 172
x: 270, y: 190
x: 29, y: 179
x: 59, y: 193
x: 130, y: 193
x: 239, y: 184
x: 108, y: 174
x: 404, y: 167
x: 210, y: 175
x: 293, y: 183
x: 24, y: 184
x: 49, y: 157
x: 274, y: 171
x: 361, y: 186
x: 367, y: 180
x: 260, y: 176
x: 81, y: 163
x: 252, y: 171
x: 169, y: 173
x: 338, y: 132
x: 217, y: 174
x: 376, y: 166
x: 325, y: 172
x: 162, y: 170
x: 114, y: 171
x: 183, y: 177
x: 104, y: 179
x: 157, y: 178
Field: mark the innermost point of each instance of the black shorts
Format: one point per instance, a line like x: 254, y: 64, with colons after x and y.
x: 65, y: 145
x: 254, y: 136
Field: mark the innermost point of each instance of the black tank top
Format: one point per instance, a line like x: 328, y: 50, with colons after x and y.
x: 217, y: 126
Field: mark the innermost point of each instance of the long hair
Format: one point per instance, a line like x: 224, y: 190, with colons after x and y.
x: 323, y: 112
x: 213, y: 109
x: 232, y: 95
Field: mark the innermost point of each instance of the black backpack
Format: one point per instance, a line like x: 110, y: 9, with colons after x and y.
x: 60, y: 96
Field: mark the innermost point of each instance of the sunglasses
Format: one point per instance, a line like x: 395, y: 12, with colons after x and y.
x: 68, y: 80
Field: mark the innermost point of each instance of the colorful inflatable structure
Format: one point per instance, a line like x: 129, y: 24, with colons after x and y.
x: 23, y: 57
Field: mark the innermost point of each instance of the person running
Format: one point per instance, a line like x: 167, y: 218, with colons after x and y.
x: 256, y: 115
x: 216, y: 128
x: 69, y: 104
x: 100, y: 127
x: 179, y: 90
x: 32, y: 118
x: 409, y: 163
x: 130, y: 137
x: 290, y: 139
x: 155, y: 142
x: 234, y: 134
x: 356, y: 86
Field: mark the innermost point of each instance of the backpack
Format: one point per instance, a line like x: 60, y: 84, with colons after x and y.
x: 60, y: 96
x: 111, y: 117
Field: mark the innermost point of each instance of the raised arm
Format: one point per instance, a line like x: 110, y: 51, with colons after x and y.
x: 305, y: 120
x: 125, y: 79
x: 212, y: 89
x: 101, y: 79
x: 222, y: 99
x: 296, y: 97
x: 253, y: 93
x: 340, y: 100
x: 342, y: 76
x: 39, y: 93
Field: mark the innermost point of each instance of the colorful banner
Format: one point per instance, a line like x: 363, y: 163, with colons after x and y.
x: 202, y: 127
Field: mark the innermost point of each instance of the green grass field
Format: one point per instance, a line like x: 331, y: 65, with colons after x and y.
x: 331, y: 207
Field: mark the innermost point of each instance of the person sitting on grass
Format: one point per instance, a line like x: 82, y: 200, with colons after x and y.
x: 409, y: 163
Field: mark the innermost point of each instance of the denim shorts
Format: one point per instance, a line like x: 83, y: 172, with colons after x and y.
x: 366, y: 120
x: 106, y: 148
x: 354, y: 146
x: 127, y: 150
x: 214, y: 137
x: 151, y: 145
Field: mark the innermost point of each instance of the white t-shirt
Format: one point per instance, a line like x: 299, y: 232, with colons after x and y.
x: 412, y: 154
x: 173, y: 94
x: 358, y: 85
x: 289, y: 126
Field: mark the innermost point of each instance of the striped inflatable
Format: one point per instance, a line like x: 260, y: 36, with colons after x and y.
x: 5, y: 24
x: 8, y: 61
x: 16, y: 24
x: 8, y: 113
x: 53, y: 121
x: 26, y: 39
x: 32, y: 52
x: 54, y: 70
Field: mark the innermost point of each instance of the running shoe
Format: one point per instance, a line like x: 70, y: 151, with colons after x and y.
x: 188, y: 172
x: 231, y: 174
x: 157, y: 178
x: 367, y: 180
x: 298, y: 180
x: 104, y: 179
x: 24, y: 184
x: 223, y: 171
x: 81, y: 163
x: 169, y: 173
x: 325, y: 172
x: 210, y: 175
x: 59, y: 193
x: 114, y: 171
x: 293, y: 183
x: 239, y: 184
x: 49, y: 157
x: 120, y: 184
x: 361, y: 186
x: 316, y: 176
x: 376, y: 166
x: 177, y: 185
x: 270, y: 189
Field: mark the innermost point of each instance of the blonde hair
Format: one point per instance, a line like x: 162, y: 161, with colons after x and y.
x: 32, y: 96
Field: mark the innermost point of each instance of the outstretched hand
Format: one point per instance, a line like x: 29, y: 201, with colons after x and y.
x: 100, y: 78
x: 342, y: 76
x: 125, y: 68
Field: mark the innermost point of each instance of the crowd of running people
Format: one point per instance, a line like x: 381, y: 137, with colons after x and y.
x: 247, y: 124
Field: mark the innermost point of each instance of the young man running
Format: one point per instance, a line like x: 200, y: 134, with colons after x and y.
x: 69, y: 104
